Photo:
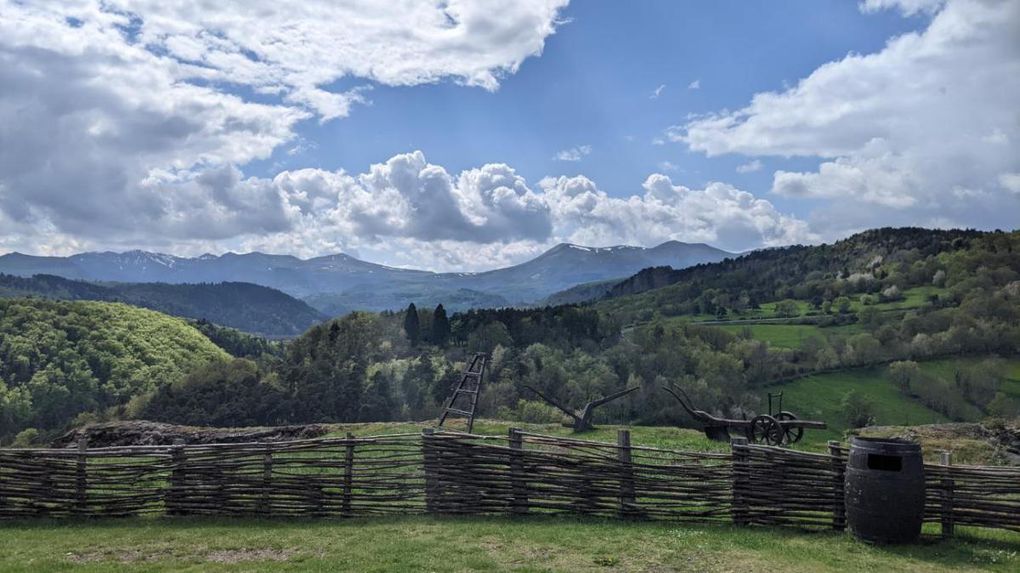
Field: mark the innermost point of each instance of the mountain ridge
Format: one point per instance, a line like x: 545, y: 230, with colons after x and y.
x: 244, y: 306
x: 338, y: 282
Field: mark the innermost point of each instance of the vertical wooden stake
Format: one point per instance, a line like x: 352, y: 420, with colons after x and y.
x: 741, y: 481
x: 838, y: 486
x: 518, y: 486
x: 175, y: 495
x: 81, y: 481
x: 3, y: 500
x: 948, y: 523
x: 628, y: 497
x: 266, y: 503
x: 429, y: 462
x: 348, y: 476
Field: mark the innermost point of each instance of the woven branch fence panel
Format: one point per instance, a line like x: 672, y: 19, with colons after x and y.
x: 776, y: 486
x: 455, y: 473
x: 531, y: 473
x: 982, y: 496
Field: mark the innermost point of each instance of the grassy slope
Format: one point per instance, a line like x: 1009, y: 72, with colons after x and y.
x: 818, y: 398
x: 789, y: 335
x: 473, y: 544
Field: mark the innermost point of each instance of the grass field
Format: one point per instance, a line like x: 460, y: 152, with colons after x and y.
x: 789, y: 335
x: 652, y: 436
x: 474, y: 544
x: 818, y: 397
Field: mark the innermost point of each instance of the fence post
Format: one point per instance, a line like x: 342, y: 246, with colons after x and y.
x: 429, y: 463
x: 838, y: 486
x: 348, y: 476
x: 628, y: 497
x: 81, y: 481
x: 265, y: 508
x: 741, y: 481
x: 518, y: 488
x: 174, y: 496
x: 3, y: 500
x: 948, y: 486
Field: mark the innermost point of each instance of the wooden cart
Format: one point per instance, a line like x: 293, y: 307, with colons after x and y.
x: 775, y: 429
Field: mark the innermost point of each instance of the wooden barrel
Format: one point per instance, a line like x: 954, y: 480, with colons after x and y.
x: 885, y: 490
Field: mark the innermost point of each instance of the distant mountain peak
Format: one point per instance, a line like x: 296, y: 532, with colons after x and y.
x: 363, y: 285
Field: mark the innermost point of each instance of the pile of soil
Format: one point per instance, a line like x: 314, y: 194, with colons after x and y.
x: 142, y: 433
x: 993, y: 442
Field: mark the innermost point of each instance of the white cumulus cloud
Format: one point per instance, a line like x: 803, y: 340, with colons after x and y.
x: 129, y: 122
x: 573, y: 154
x: 750, y: 166
x: 920, y: 128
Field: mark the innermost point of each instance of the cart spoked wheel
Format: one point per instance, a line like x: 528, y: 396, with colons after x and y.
x: 766, y: 429
x: 793, y: 433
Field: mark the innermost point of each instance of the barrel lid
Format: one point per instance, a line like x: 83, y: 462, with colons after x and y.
x: 885, y: 444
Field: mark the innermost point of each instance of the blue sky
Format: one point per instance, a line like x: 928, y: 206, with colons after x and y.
x: 472, y: 134
x: 592, y: 85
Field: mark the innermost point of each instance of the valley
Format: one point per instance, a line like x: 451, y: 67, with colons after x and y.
x: 338, y: 284
x: 889, y: 327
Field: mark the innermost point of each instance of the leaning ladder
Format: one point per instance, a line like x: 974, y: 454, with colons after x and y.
x: 469, y: 387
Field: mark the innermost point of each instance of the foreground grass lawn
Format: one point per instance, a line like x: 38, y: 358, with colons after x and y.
x: 472, y: 544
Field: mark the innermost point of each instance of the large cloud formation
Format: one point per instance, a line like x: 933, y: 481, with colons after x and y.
x: 924, y: 131
x: 122, y: 121
x: 126, y: 124
x: 408, y: 211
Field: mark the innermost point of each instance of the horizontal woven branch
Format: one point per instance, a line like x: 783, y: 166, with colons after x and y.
x: 456, y: 473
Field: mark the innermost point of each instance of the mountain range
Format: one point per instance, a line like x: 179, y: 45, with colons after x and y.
x: 335, y: 284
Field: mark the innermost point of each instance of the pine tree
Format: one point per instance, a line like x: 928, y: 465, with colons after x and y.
x: 412, y: 326
x: 440, y: 326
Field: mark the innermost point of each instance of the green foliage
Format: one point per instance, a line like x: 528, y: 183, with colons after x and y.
x: 532, y: 412
x: 27, y: 438
x: 904, y: 373
x: 866, y: 263
x: 236, y: 343
x: 58, y: 359
x: 412, y: 325
x: 221, y: 393
x: 402, y: 365
x: 858, y: 409
x: 440, y: 327
x: 246, y: 306
x: 326, y: 370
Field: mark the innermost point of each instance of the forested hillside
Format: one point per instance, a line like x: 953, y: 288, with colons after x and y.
x: 860, y: 301
x: 244, y: 306
x: 866, y: 263
x: 59, y: 359
x: 893, y: 305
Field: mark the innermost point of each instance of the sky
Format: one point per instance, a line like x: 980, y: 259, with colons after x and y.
x: 469, y: 135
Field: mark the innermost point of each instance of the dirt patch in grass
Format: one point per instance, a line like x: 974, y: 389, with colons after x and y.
x: 242, y: 555
x: 166, y: 554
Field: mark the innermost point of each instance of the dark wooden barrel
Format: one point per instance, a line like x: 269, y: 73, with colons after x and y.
x: 885, y: 490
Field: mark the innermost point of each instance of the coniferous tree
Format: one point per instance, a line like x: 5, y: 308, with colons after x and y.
x: 440, y: 326
x: 412, y: 327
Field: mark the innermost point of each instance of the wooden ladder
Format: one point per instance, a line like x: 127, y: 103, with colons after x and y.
x: 469, y: 387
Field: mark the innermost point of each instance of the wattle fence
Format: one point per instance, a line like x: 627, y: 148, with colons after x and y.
x: 455, y: 473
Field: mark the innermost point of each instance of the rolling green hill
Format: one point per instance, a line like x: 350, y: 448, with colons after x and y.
x: 869, y: 263
x: 59, y: 359
x: 245, y: 306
